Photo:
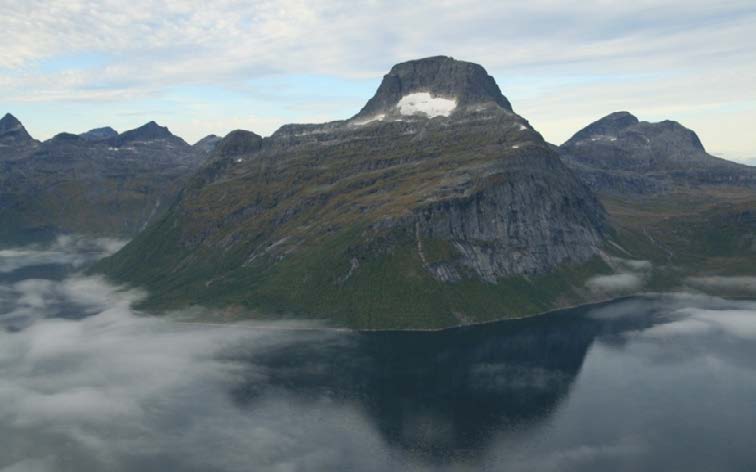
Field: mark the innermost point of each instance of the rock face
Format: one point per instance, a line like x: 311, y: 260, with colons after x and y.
x: 620, y: 154
x: 512, y: 229
x: 94, y: 183
x: 425, y: 205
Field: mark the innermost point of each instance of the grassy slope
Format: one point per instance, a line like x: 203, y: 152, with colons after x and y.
x: 310, y: 205
x: 688, y: 233
x: 389, y: 289
x: 706, y: 231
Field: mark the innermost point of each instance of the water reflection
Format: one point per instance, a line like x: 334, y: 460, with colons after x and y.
x: 445, y: 395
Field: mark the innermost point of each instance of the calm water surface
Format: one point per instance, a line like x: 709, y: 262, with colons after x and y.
x: 651, y: 383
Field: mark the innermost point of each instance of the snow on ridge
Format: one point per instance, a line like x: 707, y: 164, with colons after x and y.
x: 423, y: 102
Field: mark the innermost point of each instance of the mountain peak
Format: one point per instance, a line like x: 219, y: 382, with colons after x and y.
x: 208, y: 143
x: 150, y: 131
x: 238, y: 142
x: 434, y: 86
x: 11, y: 129
x: 609, y: 125
x: 8, y: 122
x: 675, y: 134
x: 99, y: 134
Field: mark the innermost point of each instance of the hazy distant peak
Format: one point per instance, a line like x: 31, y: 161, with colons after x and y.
x: 609, y: 126
x: 239, y: 142
x: 8, y: 122
x: 99, y: 134
x: 150, y: 131
x: 66, y: 137
x: 207, y: 144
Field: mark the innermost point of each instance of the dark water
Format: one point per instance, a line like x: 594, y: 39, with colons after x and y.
x: 662, y: 382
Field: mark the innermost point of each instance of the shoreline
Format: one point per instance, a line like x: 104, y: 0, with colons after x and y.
x: 413, y: 330
x: 603, y: 301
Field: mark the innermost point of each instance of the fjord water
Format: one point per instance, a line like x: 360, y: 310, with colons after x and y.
x: 664, y: 382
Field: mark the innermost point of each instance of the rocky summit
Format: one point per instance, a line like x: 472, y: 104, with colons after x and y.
x: 435, y: 205
x: 620, y: 154
x: 97, y: 183
x: 14, y: 139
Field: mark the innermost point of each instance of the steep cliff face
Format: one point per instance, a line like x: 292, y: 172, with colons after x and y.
x: 434, y: 193
x: 515, y: 226
x: 95, y: 183
x: 622, y: 155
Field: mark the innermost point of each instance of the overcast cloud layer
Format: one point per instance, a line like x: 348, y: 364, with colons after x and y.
x: 203, y: 67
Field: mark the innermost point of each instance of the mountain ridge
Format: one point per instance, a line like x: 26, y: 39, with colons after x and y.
x: 87, y: 184
x: 621, y: 154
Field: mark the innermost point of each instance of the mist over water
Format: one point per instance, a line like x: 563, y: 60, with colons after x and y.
x: 87, y: 383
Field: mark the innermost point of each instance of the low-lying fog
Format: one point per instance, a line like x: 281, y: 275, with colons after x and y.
x: 87, y: 383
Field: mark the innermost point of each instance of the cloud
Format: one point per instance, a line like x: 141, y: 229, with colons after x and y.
x: 722, y: 283
x: 736, y: 323
x: 30, y: 465
x: 88, y: 383
x: 615, y: 283
x: 629, y: 276
x: 67, y: 250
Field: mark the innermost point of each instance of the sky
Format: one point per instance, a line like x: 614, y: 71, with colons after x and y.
x: 203, y: 67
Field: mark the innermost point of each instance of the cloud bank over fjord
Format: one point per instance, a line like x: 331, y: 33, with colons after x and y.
x: 88, y: 383
x: 629, y: 276
x: 66, y: 250
x: 745, y: 284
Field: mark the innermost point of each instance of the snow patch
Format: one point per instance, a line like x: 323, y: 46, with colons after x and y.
x: 523, y: 127
x: 423, y: 102
x: 516, y: 146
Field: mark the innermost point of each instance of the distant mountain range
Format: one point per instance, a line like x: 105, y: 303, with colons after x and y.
x: 99, y: 182
x: 435, y: 205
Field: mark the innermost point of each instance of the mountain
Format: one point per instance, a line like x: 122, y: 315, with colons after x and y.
x: 208, y: 143
x: 435, y: 205
x: 96, y: 183
x: 620, y: 154
x: 100, y: 134
x: 14, y: 139
x: 148, y: 133
x: 12, y: 131
x: 669, y: 202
